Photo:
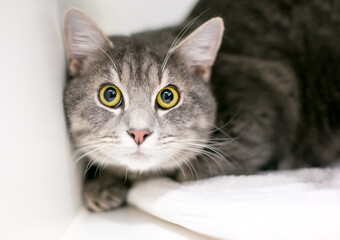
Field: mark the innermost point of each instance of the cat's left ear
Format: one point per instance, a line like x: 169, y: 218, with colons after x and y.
x: 83, y: 39
x: 200, y: 48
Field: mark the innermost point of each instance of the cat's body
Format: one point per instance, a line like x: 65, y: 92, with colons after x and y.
x: 274, y: 101
x: 280, y: 60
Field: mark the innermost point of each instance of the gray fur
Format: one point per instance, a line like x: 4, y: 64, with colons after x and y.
x: 250, y: 116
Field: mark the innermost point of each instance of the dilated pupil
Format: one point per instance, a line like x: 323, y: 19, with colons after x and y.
x: 167, y: 96
x: 110, y: 94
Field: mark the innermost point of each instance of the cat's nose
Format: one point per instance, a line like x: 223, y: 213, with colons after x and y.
x: 139, y: 135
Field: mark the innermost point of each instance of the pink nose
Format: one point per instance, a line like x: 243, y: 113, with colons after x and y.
x: 139, y: 135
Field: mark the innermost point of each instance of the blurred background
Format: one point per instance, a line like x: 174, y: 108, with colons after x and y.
x: 40, y: 185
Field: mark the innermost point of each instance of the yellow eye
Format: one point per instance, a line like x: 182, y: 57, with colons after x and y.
x: 167, y: 97
x: 110, y: 96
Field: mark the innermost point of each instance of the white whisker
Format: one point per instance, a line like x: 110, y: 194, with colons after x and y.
x: 115, y: 66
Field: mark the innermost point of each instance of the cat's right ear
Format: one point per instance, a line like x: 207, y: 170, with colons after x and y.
x: 83, y: 39
x: 199, y: 49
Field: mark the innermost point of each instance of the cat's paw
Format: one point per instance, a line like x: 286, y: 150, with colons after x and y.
x: 99, y: 197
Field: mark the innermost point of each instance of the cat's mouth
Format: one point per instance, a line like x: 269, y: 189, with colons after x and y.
x: 139, y: 155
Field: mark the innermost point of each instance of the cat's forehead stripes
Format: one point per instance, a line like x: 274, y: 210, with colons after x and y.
x: 139, y: 71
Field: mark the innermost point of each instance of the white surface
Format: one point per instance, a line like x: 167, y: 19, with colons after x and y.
x: 126, y: 223
x: 38, y: 181
x: 300, y: 204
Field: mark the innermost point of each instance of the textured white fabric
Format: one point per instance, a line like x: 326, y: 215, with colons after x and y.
x: 297, y: 204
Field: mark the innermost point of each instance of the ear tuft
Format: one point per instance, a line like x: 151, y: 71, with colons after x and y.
x: 200, y: 48
x: 82, y: 37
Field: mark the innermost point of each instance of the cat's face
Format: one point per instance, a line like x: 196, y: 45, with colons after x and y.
x: 126, y: 108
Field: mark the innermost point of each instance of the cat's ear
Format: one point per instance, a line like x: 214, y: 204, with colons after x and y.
x: 83, y: 38
x: 200, y: 48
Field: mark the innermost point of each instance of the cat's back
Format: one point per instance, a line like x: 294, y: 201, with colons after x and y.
x: 298, y: 40
x: 274, y: 29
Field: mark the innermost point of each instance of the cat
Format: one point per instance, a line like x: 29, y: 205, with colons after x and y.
x: 264, y: 94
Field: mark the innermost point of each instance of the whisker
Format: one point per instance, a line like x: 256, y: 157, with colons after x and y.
x: 228, y: 122
x: 198, y: 149
x: 114, y: 65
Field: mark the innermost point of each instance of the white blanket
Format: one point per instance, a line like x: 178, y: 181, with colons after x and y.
x: 297, y: 204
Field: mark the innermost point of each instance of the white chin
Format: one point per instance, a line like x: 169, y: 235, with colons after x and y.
x: 145, y: 163
x: 142, y: 164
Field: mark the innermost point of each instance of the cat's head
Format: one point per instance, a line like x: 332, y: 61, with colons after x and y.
x: 134, y: 104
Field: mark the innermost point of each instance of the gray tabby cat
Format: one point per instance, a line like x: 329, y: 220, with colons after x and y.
x: 147, y: 105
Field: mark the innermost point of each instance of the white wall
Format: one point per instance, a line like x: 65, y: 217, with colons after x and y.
x: 39, y: 184
x: 128, y: 16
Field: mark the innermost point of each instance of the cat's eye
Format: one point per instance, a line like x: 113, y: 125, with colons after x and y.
x: 110, y: 96
x: 167, y: 98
